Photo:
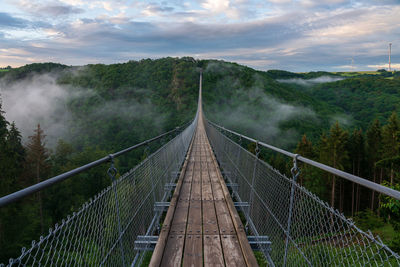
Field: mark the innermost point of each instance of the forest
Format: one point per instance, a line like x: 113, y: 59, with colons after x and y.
x: 349, y: 122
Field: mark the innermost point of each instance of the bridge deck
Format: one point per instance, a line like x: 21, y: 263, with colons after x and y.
x: 202, y: 225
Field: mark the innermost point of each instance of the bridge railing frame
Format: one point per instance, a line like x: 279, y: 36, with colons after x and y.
x: 10, y: 198
x: 103, y: 230
x: 327, y: 232
x: 296, y: 157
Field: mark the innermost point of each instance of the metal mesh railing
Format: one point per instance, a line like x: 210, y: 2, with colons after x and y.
x: 103, y: 231
x: 308, y: 232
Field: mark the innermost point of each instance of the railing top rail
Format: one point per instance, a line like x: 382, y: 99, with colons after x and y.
x: 56, y: 179
x: 353, y: 178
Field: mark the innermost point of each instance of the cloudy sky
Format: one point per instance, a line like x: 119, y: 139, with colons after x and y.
x: 296, y: 35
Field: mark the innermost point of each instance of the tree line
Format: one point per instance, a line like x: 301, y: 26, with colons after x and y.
x: 374, y: 155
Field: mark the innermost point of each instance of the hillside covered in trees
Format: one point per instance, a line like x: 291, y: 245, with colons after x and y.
x: 99, y: 109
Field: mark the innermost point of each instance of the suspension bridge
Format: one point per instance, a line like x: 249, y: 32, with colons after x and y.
x: 204, y: 200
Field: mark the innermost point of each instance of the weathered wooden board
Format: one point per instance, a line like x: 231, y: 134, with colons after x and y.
x: 193, y: 252
x: 232, y: 253
x: 213, y: 255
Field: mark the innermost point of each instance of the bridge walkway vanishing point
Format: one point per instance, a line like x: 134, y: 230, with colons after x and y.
x: 202, y: 223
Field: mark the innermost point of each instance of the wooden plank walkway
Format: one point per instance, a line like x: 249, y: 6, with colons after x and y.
x: 202, y: 226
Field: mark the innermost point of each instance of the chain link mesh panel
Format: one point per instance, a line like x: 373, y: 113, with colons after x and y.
x: 319, y: 235
x: 91, y: 236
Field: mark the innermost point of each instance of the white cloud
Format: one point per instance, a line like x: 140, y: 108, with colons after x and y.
x: 225, y: 7
x: 385, y: 66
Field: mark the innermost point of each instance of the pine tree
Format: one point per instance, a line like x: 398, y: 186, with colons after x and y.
x: 4, y: 179
x: 391, y: 144
x: 305, y: 149
x: 333, y: 152
x: 16, y: 151
x: 357, y: 155
x: 374, y: 152
x: 14, y: 228
x: 37, y: 164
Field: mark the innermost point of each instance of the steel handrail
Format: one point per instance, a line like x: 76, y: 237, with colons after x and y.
x: 353, y: 178
x: 61, y: 177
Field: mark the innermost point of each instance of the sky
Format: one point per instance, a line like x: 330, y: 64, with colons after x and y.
x: 294, y: 35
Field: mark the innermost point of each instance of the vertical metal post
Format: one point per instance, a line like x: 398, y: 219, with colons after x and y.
x: 150, y: 172
x: 295, y: 173
x: 112, y: 172
x: 237, y: 159
x: 257, y: 151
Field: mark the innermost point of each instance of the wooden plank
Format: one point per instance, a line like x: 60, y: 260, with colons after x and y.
x: 195, y: 193
x: 225, y: 223
x: 210, y: 224
x: 213, y: 251
x: 194, y: 222
x: 173, y: 251
x: 193, y: 253
x: 232, y: 253
x: 185, y: 191
x: 178, y: 225
x: 206, y: 190
x: 218, y: 193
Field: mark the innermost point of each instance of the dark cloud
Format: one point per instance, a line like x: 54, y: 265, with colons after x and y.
x: 59, y: 10
x: 6, y: 20
x: 153, y: 7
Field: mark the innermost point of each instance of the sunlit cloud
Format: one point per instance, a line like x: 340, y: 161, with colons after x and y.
x: 395, y: 66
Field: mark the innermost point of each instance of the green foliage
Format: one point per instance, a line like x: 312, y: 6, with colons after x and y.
x: 364, y: 99
x: 391, y: 206
x: 262, y: 262
x: 368, y: 220
x: 146, y: 258
x: 15, y: 74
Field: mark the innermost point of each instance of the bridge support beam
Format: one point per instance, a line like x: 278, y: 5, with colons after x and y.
x: 145, y: 242
x: 169, y: 186
x: 163, y: 206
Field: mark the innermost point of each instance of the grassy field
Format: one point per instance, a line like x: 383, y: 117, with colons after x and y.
x: 356, y: 73
x: 3, y: 70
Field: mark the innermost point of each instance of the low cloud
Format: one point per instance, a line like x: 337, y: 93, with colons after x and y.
x: 260, y: 115
x: 311, y: 82
x: 38, y: 99
x: 252, y: 111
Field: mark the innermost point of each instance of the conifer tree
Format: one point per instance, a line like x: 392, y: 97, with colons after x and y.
x: 37, y: 164
x: 16, y: 155
x: 333, y: 152
x: 305, y: 149
x: 374, y: 152
x: 357, y: 154
x: 4, y: 180
x: 14, y: 228
x: 391, y: 145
